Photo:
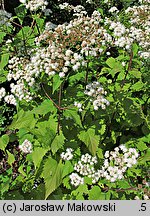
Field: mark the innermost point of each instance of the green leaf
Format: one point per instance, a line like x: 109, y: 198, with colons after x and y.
x: 102, y: 129
x: 11, y: 158
x: 21, y: 12
x: 145, y: 158
x: 3, y: 75
x: 46, y: 132
x: 123, y: 184
x: 2, y: 35
x: 100, y: 153
x: 141, y: 146
x: 82, y: 189
x: 4, y: 140
x: 66, y: 182
x: 21, y: 170
x: 57, y: 143
x: 135, y: 73
x: 45, y: 107
x: 57, y: 81
x: 54, y: 179
x: 73, y: 114
x: 23, y: 120
x: 39, y: 21
x: 135, y: 49
x: 68, y: 168
x: 49, y: 167
x: 76, y: 77
x: 90, y: 139
x: 137, y: 86
x: 4, y: 60
x: 95, y: 193
x: 111, y: 62
x: 37, y: 156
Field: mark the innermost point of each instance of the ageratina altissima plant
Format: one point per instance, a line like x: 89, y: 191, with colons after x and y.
x: 66, y: 49
x: 114, y: 166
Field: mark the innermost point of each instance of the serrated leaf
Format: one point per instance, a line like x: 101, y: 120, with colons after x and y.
x: 95, y: 193
x: 21, y: 12
x: 57, y: 81
x: 23, y: 120
x: 137, y: 86
x: 4, y: 60
x: 4, y: 140
x: 123, y: 184
x: 135, y: 73
x: 21, y: 170
x: 90, y: 139
x: 100, y: 153
x: 45, y: 107
x: 141, y: 146
x: 135, y: 49
x: 2, y: 35
x: 145, y: 158
x: 111, y: 62
x: 68, y: 168
x: 54, y: 179
x: 76, y: 77
x: 37, y: 155
x: 57, y: 143
x: 66, y: 182
x: 82, y: 189
x: 74, y: 115
x: 102, y: 129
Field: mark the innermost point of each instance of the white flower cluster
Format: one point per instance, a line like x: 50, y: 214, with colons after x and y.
x: 76, y: 180
x: 2, y: 93
x: 26, y: 147
x: 10, y: 99
x: 67, y: 155
x: 116, y: 162
x: 17, y: 74
x: 34, y: 5
x: 96, y: 92
x: 78, y: 10
x: 115, y: 165
x: 138, y: 32
x: 145, y: 197
x: 84, y: 167
x: 113, y: 9
x: 4, y: 18
x: 89, y: 1
x: 79, y: 106
x: 63, y: 53
x: 140, y: 26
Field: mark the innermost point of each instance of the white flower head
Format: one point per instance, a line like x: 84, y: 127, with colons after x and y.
x: 26, y: 146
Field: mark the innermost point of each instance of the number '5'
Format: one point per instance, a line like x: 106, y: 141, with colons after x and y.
x: 143, y: 207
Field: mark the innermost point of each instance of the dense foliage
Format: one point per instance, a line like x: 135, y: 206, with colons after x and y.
x: 74, y: 100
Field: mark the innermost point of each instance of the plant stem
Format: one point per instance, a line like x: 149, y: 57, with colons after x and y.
x: 49, y: 97
x: 128, y: 69
x: 24, y: 42
x: 87, y: 73
x: 59, y: 110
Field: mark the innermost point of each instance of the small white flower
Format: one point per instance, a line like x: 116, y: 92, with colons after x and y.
x: 26, y: 147
x: 145, y: 197
x: 61, y: 74
x: 67, y: 155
